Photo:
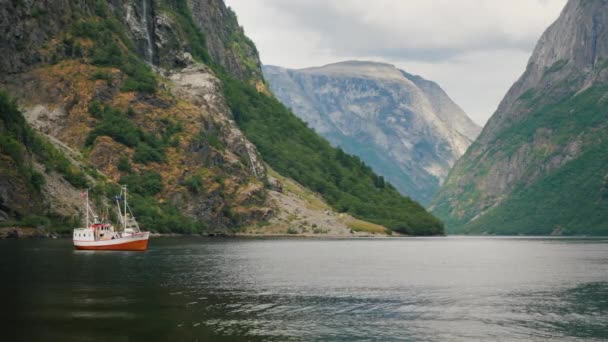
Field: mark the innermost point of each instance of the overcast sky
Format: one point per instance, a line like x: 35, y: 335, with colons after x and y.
x: 474, y: 49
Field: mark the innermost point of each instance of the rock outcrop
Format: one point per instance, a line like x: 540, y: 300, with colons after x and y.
x: 225, y: 39
x: 405, y: 127
x: 56, y: 86
x: 537, y: 165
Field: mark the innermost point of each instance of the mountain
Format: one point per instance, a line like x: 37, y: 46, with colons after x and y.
x: 540, y: 164
x: 168, y: 97
x: 405, y: 127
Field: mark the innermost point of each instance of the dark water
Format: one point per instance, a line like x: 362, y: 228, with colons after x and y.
x: 431, y: 289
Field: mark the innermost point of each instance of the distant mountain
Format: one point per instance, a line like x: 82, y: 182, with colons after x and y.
x: 405, y: 127
x: 540, y: 165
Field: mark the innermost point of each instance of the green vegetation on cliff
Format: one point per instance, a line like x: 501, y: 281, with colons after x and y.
x: 296, y: 151
x: 540, y: 165
x: 569, y: 200
x: 23, y: 146
x: 18, y: 139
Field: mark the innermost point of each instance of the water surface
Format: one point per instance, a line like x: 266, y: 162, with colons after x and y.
x: 414, y: 289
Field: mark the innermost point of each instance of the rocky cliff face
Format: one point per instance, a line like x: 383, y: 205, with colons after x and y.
x: 405, y: 127
x: 225, y: 39
x: 536, y: 167
x: 155, y: 26
x: 71, y: 64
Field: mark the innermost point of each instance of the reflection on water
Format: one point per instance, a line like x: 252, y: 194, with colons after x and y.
x: 434, y: 289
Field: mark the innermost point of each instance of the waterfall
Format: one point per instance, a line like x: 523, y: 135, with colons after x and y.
x: 149, y: 53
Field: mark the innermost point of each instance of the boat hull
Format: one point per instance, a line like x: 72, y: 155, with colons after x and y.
x: 139, y: 244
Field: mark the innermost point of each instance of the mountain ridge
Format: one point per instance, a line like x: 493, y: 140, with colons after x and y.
x: 381, y: 114
x: 542, y: 142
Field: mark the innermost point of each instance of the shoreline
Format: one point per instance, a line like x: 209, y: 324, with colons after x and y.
x: 26, y: 233
x: 14, y: 233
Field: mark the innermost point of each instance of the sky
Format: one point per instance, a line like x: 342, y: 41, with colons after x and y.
x: 474, y: 49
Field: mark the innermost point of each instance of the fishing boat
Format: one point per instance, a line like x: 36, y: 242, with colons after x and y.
x: 100, y: 234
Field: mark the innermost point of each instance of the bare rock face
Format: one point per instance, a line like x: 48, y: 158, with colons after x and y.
x: 198, y: 84
x: 225, y: 39
x: 565, y: 60
x: 536, y: 150
x: 23, y: 34
x: 56, y: 99
x: 405, y: 127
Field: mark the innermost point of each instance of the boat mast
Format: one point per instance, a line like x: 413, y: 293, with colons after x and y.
x: 124, y: 188
x: 87, y: 207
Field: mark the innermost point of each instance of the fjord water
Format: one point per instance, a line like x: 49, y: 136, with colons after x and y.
x: 414, y: 289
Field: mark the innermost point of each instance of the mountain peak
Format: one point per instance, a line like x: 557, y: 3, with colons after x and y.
x: 402, y: 125
x: 569, y: 57
x: 371, y: 69
x: 539, y: 164
x: 579, y: 36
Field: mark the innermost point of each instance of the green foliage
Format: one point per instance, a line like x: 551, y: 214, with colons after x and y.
x: 570, y: 199
x: 11, y: 147
x: 145, y: 154
x: 101, y: 75
x: 12, y: 119
x: 36, y: 221
x: 212, y: 138
x: 141, y: 78
x: 544, y: 206
x: 124, y: 165
x: 117, y: 125
x: 296, y: 151
x: 96, y: 109
x: 109, y: 51
x: 52, y: 222
x: 317, y: 230
x: 148, y: 183
x: 162, y: 218
x: 170, y: 129
x: 20, y: 136
x: 38, y: 12
x: 182, y: 15
x: 194, y: 184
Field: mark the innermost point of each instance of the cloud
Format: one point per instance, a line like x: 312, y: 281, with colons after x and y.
x: 480, y: 44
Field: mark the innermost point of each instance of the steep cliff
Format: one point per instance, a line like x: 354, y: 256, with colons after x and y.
x: 150, y: 93
x: 225, y: 39
x: 538, y: 166
x: 405, y: 127
x: 78, y: 71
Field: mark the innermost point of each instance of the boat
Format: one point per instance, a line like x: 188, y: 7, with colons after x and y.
x: 100, y: 235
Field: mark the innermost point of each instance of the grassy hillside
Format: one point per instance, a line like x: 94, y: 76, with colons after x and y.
x: 573, y: 200
x: 296, y: 151
x: 570, y: 199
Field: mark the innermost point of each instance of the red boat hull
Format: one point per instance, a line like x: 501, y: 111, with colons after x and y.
x: 138, y: 246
